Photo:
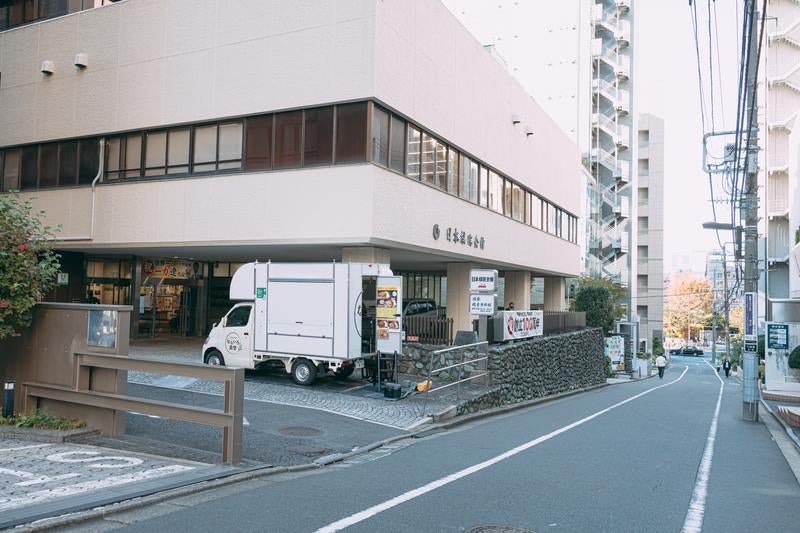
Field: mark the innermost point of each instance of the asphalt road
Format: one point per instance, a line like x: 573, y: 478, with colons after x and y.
x: 616, y: 459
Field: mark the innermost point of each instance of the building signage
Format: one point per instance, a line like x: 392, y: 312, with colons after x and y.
x: 750, y: 317
x: 63, y: 278
x: 751, y: 346
x: 461, y: 237
x: 482, y: 304
x: 172, y: 269
x: 777, y: 336
x: 483, y: 280
x: 615, y: 350
x: 522, y: 324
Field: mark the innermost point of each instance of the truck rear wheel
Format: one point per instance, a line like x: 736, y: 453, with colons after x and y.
x: 344, y: 372
x: 214, y: 358
x: 304, y: 372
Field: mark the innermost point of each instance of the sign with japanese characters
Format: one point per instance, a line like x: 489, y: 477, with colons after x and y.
x: 460, y: 237
x: 483, y: 280
x: 750, y: 316
x: 482, y: 304
x: 777, y: 336
x: 521, y: 325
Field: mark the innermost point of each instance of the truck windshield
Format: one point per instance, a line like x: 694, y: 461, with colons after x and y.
x: 238, y: 317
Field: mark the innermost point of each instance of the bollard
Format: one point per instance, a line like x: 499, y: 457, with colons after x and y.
x: 8, y: 399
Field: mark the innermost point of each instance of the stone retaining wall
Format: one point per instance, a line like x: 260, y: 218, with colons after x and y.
x: 415, y: 360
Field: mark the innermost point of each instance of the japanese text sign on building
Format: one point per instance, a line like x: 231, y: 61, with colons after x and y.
x: 457, y: 236
x: 777, y: 336
x: 482, y: 304
x: 483, y: 280
x: 750, y: 316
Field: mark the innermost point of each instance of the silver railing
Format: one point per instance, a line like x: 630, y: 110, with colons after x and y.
x: 437, y: 354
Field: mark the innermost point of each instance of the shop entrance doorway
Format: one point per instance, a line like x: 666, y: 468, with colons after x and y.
x: 169, y: 298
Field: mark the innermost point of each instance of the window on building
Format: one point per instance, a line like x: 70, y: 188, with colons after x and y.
x: 452, y: 171
x: 318, y: 137
x: 468, y: 180
x: 351, y: 133
x: 133, y: 155
x: 380, y: 136
x: 178, y: 151
x: 528, y: 203
x: 507, y: 193
x: 428, y: 158
x: 155, y: 161
x: 495, y: 192
x: 517, y: 203
x: 483, y: 186
x: 413, y: 152
x: 230, y: 146
x: 205, y: 148
x: 88, y: 160
x: 113, y: 151
x: 48, y: 165
x: 644, y: 196
x: 258, y: 150
x: 29, y: 172
x: 644, y: 137
x: 644, y: 167
x: 11, y: 159
x: 397, y: 145
x: 288, y: 137
x: 68, y: 163
x: 440, y: 169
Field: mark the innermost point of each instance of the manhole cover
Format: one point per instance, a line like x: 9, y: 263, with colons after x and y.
x: 498, y: 529
x: 299, y: 431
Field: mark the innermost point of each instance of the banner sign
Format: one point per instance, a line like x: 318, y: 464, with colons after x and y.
x: 750, y: 316
x: 387, y: 302
x: 520, y: 325
x: 482, y: 280
x: 482, y: 304
x: 777, y: 336
x: 615, y: 349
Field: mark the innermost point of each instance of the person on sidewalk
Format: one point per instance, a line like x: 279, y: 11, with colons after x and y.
x: 726, y: 366
x: 661, y: 364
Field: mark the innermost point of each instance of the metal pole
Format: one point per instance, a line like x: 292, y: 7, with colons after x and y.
x: 727, y: 304
x: 714, y: 338
x: 750, y: 393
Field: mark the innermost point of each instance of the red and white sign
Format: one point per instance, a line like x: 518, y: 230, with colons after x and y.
x: 522, y: 324
x: 482, y: 280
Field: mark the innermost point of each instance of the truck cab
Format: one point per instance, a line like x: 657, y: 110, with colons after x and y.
x: 313, y: 318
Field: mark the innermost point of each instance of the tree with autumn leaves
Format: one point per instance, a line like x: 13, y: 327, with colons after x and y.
x: 688, y: 308
x: 28, y: 266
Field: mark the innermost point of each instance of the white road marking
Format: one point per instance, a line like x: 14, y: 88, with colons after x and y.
x: 433, y: 485
x: 697, y: 505
x: 87, y: 486
x: 245, y: 422
x: 32, y: 479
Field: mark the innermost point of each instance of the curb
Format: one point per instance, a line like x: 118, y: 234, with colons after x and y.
x: 258, y: 472
x: 49, y: 436
x: 789, y: 431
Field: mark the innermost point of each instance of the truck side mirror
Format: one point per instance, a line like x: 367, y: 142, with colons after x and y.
x: 223, y: 321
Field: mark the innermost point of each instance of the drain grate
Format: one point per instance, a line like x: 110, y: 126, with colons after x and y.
x: 498, y: 529
x: 300, y: 431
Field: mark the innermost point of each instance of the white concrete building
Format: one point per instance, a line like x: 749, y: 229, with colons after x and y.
x: 576, y: 58
x: 650, y: 232
x: 173, y: 140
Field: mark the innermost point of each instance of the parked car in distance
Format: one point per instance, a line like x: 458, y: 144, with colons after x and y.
x: 687, y: 350
x: 420, y: 307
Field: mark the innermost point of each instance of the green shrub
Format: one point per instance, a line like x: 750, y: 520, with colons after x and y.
x: 658, y: 346
x: 41, y: 420
x: 607, y: 366
x: 794, y: 358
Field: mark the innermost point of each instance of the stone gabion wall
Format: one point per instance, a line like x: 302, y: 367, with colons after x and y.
x: 416, y: 358
x: 541, y: 367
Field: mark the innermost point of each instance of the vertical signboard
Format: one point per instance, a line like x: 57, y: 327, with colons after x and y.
x: 750, y: 316
x: 388, y: 318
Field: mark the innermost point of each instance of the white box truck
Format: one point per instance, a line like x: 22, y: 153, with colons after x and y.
x: 312, y: 318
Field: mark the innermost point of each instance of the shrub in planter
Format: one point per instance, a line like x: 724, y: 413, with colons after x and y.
x: 794, y: 358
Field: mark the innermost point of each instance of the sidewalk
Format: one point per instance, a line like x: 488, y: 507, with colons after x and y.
x: 40, y: 480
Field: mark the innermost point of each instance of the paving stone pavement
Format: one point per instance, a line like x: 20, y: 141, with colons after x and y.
x: 38, y: 480
x: 403, y: 414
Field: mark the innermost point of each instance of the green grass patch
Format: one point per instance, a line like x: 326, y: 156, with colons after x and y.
x: 41, y: 420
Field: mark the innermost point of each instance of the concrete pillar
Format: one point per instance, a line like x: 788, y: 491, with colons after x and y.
x: 365, y: 254
x: 555, y: 294
x: 518, y: 290
x: 458, y: 295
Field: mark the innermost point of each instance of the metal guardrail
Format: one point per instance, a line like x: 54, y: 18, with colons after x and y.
x: 230, y: 418
x: 457, y: 383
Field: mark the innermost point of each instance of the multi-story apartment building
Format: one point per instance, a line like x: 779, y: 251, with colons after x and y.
x: 174, y: 140
x: 650, y: 229
x: 779, y: 100
x: 577, y: 61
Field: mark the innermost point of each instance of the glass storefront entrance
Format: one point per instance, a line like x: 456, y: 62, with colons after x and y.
x: 169, y: 297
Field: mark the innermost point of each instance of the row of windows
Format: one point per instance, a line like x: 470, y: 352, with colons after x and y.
x: 328, y: 135
x: 405, y: 148
x: 18, y: 12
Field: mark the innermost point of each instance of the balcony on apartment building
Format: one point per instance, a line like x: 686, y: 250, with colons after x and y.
x: 622, y: 173
x: 777, y: 196
x: 778, y: 241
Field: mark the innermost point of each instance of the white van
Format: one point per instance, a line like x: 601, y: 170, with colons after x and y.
x: 311, y: 317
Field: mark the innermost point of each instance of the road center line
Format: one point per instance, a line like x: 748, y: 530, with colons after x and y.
x: 697, y: 505
x: 433, y: 485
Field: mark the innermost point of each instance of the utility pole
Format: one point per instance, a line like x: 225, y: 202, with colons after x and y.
x: 727, y: 306
x: 749, y: 212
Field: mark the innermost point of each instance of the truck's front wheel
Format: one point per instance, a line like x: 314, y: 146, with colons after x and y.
x: 304, y: 372
x: 214, y: 358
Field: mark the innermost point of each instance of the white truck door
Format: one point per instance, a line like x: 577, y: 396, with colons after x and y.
x: 389, y: 320
x: 237, y: 349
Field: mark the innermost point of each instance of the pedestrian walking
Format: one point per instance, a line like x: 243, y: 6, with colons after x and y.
x: 661, y: 364
x: 726, y: 366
